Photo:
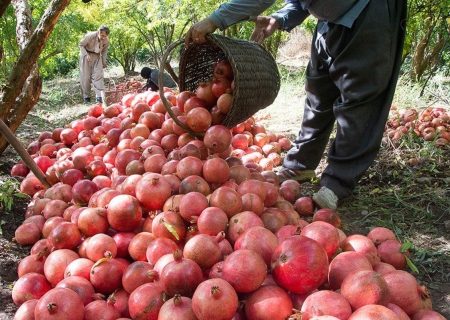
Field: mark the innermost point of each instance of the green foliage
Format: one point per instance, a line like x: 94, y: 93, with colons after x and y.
x: 9, y: 192
x: 427, y: 43
x: 141, y: 30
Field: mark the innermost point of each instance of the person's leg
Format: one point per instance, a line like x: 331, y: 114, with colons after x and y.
x: 85, y: 78
x: 97, y: 79
x: 318, y: 117
x: 365, y: 69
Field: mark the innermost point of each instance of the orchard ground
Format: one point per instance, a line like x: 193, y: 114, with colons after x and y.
x: 412, y: 201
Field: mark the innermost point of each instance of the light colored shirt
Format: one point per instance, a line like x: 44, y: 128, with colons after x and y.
x: 92, y: 44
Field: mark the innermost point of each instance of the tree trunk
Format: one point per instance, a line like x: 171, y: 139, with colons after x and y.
x: 24, y: 84
x: 29, y: 55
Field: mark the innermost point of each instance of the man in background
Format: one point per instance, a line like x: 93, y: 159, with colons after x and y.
x: 93, y: 53
x: 151, y: 75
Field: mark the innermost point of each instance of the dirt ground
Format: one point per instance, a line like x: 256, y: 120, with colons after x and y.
x: 413, y: 201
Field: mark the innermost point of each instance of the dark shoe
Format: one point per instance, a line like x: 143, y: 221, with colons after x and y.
x: 87, y: 100
x: 297, y: 175
x: 99, y: 99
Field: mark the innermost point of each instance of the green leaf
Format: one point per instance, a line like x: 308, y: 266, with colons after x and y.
x: 406, y: 246
x: 411, y: 265
x: 172, y: 230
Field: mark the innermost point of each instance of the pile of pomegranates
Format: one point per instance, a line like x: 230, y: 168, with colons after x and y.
x: 432, y: 124
x: 144, y: 221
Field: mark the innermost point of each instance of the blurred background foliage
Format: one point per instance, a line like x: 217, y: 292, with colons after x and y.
x: 141, y: 30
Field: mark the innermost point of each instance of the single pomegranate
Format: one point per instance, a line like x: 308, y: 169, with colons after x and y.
x: 138, y: 245
x: 203, y: 249
x: 100, y: 309
x: 259, y: 240
x: 83, y: 190
x: 406, y: 292
x: 242, y: 222
x: 181, y: 276
x: 106, y: 275
x: 177, y: 308
x: 191, y: 206
x: 79, y: 267
x: 59, y: 303
x: 373, y: 311
x: 92, y: 221
x: 30, y: 286
x: 260, y: 304
x: 389, y: 252
x: 124, y: 213
x: 101, y: 246
x: 212, y: 220
x: 344, y: 264
x: 362, y: 244
x: 152, y: 191
x: 27, y: 234
x: 214, y: 299
x: 304, y: 206
x: 159, y: 247
x: 26, y: 310
x: 328, y: 215
x: 365, y: 287
x: 380, y: 234
x: 325, y: 234
x: 325, y: 302
x: 226, y: 199
x: 299, y: 264
x: 31, y: 263
x: 65, y: 236
x: 137, y: 274
x: 81, y: 286
x: 217, y: 138
x: 56, y: 263
x: 245, y: 270
x: 146, y: 301
x: 398, y: 311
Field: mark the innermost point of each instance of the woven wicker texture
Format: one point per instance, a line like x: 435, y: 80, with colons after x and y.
x: 256, y: 76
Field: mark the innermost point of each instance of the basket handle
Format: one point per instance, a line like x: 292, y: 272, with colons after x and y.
x: 114, y: 84
x: 163, y: 98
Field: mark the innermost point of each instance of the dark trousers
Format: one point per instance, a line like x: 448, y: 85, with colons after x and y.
x: 350, y: 80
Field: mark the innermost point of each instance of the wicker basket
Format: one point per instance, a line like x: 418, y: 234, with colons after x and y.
x: 112, y: 94
x: 256, y: 76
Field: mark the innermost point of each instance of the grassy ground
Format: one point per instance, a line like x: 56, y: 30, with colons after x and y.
x: 413, y: 201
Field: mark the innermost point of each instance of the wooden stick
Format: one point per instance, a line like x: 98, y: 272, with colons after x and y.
x: 9, y: 135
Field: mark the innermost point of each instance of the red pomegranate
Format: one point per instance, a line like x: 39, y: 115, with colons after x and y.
x: 124, y: 213
x: 181, y: 276
x: 365, y: 287
x: 406, y: 292
x: 245, y: 270
x: 59, y: 303
x: 325, y: 234
x: 326, y: 302
x: 299, y: 264
x: 259, y: 240
x: 214, y: 299
x: 146, y: 301
x: 373, y: 311
x: 260, y: 304
x: 380, y: 234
